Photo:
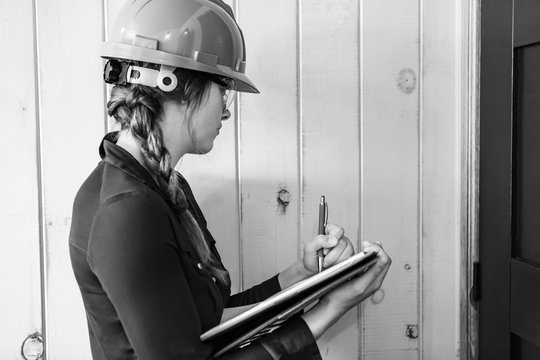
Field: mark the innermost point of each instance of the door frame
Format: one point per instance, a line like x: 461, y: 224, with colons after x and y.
x: 470, y: 170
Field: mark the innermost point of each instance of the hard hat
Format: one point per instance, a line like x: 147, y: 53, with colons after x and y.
x: 200, y: 35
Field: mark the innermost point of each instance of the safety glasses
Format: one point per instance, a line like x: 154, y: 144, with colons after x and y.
x: 226, y: 86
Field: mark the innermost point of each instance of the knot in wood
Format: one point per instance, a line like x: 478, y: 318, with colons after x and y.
x: 406, y: 81
x: 284, y: 197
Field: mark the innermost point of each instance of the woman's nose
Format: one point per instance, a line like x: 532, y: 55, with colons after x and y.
x: 225, y: 115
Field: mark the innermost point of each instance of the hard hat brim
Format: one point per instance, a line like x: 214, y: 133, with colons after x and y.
x: 112, y: 50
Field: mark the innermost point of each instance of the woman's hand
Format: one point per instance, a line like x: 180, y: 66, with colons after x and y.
x: 336, y: 248
x: 358, y: 289
x: 332, y: 306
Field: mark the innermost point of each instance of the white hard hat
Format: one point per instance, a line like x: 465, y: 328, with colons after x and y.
x: 200, y: 35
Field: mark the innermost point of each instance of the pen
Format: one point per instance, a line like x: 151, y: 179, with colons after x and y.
x: 322, y: 226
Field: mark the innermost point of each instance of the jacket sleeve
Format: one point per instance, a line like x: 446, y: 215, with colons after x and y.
x: 134, y: 255
x: 255, y: 294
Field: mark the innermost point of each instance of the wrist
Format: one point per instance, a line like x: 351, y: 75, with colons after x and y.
x: 321, y: 317
x: 301, y: 270
x: 293, y: 274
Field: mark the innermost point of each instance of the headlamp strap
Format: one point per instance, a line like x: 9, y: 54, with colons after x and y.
x: 141, y: 75
x: 121, y: 72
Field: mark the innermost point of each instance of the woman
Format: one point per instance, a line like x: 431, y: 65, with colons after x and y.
x: 150, y: 275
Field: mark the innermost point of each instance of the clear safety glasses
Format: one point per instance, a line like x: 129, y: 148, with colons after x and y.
x: 226, y: 86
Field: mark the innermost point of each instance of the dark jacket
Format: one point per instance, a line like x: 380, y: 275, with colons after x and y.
x: 145, y: 292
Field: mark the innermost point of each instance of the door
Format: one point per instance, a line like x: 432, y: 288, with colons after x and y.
x: 509, y: 315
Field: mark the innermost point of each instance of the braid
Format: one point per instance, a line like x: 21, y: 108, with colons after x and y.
x: 138, y: 108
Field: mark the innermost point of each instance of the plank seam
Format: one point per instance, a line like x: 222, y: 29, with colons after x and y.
x: 238, y: 158
x: 360, y: 312
x: 41, y: 192
x: 420, y: 344
x: 300, y: 126
x: 104, y: 37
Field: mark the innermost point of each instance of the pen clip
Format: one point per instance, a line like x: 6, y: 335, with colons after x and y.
x: 325, y: 214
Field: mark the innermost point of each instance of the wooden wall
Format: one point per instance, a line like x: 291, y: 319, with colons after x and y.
x: 20, y: 300
x: 360, y: 101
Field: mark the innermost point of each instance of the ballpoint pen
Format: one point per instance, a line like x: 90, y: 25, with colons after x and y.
x: 322, y: 226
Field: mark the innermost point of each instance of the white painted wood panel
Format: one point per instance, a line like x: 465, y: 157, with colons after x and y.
x: 390, y: 171
x: 441, y: 177
x: 330, y: 135
x: 70, y: 34
x: 20, y: 302
x: 268, y: 139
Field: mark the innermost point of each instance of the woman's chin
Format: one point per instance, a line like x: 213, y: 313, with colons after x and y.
x: 201, y: 150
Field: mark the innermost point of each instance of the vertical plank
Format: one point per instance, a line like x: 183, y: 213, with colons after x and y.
x: 20, y: 303
x: 70, y: 34
x: 111, y: 9
x: 441, y: 125
x: 268, y: 140
x: 213, y: 178
x: 330, y: 135
x: 390, y: 171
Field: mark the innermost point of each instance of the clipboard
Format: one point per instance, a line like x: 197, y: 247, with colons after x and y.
x: 268, y: 315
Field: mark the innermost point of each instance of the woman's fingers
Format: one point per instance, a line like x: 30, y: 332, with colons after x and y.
x: 328, y: 241
x: 335, y: 245
x: 334, y: 254
x: 366, y: 284
x: 334, y: 230
x: 321, y: 242
x: 377, y: 272
x: 343, y: 250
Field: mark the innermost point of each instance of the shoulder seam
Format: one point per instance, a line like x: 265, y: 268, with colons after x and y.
x: 77, y: 247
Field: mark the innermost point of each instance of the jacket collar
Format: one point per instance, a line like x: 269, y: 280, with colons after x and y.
x: 123, y: 160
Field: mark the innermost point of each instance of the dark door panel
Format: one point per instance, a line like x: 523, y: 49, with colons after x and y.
x: 525, y: 303
x: 495, y: 195
x: 524, y: 350
x: 527, y: 21
x: 526, y: 159
x: 509, y: 218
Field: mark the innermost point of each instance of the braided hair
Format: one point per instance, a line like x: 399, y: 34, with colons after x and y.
x: 138, y: 108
